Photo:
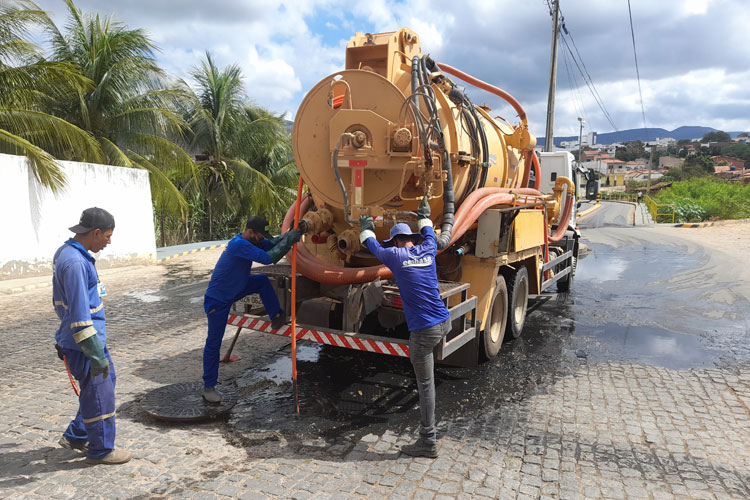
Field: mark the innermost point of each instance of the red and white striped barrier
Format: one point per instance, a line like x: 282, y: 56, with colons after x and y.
x: 360, y: 343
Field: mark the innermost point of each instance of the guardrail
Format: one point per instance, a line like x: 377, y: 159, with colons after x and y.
x: 659, y: 212
x: 617, y: 196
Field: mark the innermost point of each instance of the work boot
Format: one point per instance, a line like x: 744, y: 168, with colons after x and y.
x: 70, y: 445
x: 420, y: 449
x: 114, y: 457
x: 211, y: 395
x: 278, y: 321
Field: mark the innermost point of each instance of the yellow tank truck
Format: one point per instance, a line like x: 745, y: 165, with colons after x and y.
x: 375, y: 138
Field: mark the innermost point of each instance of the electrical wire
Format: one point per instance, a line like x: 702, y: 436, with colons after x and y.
x: 573, y: 84
x: 637, y: 71
x: 592, y: 88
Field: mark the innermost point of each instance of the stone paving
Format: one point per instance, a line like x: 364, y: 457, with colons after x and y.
x: 594, y: 430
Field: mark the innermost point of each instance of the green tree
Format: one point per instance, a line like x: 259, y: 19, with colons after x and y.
x: 131, y: 110
x: 741, y: 151
x: 697, y: 165
x: 718, y: 136
x: 29, y: 88
x: 246, y: 162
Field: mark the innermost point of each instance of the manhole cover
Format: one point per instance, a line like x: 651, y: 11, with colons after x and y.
x: 184, y: 402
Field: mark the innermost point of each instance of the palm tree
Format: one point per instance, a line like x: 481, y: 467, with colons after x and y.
x: 246, y: 162
x: 29, y: 87
x: 132, y: 109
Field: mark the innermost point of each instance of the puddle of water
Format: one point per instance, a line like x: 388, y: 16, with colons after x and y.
x: 145, y: 295
x: 643, y: 344
x: 280, y: 370
x: 600, y: 268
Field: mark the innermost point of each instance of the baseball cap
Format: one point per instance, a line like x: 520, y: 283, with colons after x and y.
x: 258, y: 224
x: 400, y: 229
x: 94, y: 218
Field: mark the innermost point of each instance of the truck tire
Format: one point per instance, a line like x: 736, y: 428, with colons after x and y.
x: 565, y: 284
x: 494, y: 332
x: 518, y: 291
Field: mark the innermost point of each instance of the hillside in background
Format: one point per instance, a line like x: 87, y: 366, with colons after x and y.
x: 648, y: 134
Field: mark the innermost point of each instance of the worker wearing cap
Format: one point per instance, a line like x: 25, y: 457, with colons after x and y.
x: 231, y: 280
x: 82, y: 338
x: 428, y: 320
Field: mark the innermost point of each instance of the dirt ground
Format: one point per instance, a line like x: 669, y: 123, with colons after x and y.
x: 732, y: 238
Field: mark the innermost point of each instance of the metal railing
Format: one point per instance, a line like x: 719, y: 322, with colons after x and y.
x: 659, y: 212
x: 617, y: 196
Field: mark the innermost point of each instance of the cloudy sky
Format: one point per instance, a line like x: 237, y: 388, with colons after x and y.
x: 694, y: 55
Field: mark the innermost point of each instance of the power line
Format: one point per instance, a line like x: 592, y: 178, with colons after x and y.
x: 637, y: 72
x: 590, y: 84
x: 573, y: 84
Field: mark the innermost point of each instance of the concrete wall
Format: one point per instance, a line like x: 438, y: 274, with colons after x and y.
x: 34, y: 221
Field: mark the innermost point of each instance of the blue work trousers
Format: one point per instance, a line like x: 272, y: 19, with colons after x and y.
x: 217, y: 313
x: 421, y: 345
x: 95, y: 420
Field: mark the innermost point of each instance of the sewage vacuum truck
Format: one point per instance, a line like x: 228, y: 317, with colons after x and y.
x: 374, y: 139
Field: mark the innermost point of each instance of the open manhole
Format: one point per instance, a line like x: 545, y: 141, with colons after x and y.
x: 184, y: 402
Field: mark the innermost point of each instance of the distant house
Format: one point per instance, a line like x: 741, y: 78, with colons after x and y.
x: 743, y: 138
x: 643, y: 175
x: 670, y: 162
x: 734, y: 162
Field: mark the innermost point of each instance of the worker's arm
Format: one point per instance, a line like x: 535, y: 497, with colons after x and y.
x: 367, y: 238
x: 246, y: 250
x: 75, y: 282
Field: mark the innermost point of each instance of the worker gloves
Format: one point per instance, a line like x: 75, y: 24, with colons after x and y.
x: 283, y: 243
x: 366, y: 223
x: 92, y: 349
x: 423, y: 212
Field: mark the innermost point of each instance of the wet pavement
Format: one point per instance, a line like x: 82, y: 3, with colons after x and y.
x: 634, y: 385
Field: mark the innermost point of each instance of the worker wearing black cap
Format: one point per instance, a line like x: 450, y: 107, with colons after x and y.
x: 411, y: 258
x: 231, y: 280
x: 81, y: 339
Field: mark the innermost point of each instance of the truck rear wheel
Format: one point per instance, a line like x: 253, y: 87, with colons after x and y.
x: 518, y: 290
x: 494, y: 332
x: 565, y: 284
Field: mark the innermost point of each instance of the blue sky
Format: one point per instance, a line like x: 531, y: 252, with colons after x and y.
x: 694, y: 55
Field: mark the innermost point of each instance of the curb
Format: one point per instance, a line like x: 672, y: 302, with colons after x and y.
x: 188, y: 252
x: 724, y: 222
x: 697, y: 224
x: 588, y: 211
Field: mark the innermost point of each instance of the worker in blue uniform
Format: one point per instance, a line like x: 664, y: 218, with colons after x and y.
x: 428, y: 319
x: 82, y: 338
x: 232, y: 280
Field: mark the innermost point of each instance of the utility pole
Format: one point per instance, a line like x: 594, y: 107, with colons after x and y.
x: 580, y: 140
x: 549, y: 135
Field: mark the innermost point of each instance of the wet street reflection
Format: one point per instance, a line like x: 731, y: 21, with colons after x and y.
x: 628, y: 305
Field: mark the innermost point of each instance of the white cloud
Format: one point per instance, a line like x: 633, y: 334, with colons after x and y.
x: 693, y: 54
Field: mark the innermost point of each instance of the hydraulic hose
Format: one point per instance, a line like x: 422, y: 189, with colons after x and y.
x: 562, y: 225
x: 335, y: 165
x: 469, y: 212
x: 419, y: 77
x: 537, y: 170
x: 489, y: 88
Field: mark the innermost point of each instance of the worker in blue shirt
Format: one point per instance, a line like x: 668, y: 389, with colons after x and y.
x: 428, y: 319
x: 82, y: 338
x: 232, y: 280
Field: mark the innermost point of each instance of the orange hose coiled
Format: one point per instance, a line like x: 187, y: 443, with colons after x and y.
x: 470, y: 210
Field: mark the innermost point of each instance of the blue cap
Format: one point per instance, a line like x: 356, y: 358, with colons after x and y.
x: 400, y: 229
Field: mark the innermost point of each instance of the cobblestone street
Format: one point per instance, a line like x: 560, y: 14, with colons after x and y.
x: 562, y: 426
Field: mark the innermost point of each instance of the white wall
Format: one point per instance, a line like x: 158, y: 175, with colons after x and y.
x: 35, y: 222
